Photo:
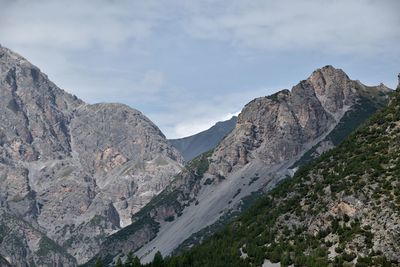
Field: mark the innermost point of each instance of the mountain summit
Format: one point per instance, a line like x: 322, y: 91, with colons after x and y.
x: 272, y: 136
x: 73, y: 171
x: 343, y: 209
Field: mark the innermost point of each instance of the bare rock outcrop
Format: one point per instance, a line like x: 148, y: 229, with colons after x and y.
x: 282, y: 126
x: 74, y: 171
x: 272, y: 134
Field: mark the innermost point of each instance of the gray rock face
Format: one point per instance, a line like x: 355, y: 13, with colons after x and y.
x: 23, y: 245
x: 74, y: 171
x: 192, y: 146
x: 279, y: 127
x: 271, y: 134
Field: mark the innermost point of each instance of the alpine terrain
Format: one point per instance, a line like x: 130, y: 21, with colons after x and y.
x: 71, y: 173
x: 272, y: 137
x: 192, y: 146
x: 342, y: 209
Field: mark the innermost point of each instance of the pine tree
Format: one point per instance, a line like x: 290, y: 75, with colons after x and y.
x: 119, y: 263
x: 158, y: 260
x: 133, y: 261
x: 98, y: 263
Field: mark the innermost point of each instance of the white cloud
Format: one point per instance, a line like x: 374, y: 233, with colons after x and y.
x: 152, y: 81
x: 188, y: 115
x: 193, y: 127
x: 289, y: 25
x: 135, y: 51
x: 77, y: 24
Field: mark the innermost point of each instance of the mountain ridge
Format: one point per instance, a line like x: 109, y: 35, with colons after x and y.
x: 75, y: 171
x: 192, y: 146
x: 343, y: 209
x: 254, y: 156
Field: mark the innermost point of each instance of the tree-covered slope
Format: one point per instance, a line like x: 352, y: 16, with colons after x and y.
x: 342, y: 209
x: 369, y: 102
x: 288, y: 123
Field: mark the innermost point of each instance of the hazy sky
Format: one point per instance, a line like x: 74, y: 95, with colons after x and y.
x: 187, y: 64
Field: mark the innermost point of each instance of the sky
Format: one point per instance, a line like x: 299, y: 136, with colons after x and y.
x: 188, y: 64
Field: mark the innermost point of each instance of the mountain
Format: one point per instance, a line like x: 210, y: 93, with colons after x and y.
x: 342, y: 209
x: 21, y: 243
x: 271, y: 136
x: 192, y: 146
x: 74, y: 172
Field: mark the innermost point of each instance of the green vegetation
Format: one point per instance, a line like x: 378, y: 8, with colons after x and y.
x: 352, y: 119
x: 173, y: 197
x: 199, y: 165
x: 47, y: 246
x: 313, y: 219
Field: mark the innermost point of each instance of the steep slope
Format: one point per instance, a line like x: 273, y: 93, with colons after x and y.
x: 192, y: 146
x: 22, y: 244
x: 341, y: 210
x: 75, y: 171
x: 272, y: 133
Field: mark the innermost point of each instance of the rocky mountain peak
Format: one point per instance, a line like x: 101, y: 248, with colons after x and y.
x: 35, y: 112
x: 332, y: 87
x: 9, y: 57
x: 278, y: 127
x: 271, y: 135
x: 76, y: 171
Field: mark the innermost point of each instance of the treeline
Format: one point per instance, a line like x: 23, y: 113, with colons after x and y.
x: 366, y: 166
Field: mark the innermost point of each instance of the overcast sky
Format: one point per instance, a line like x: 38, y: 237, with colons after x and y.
x: 187, y: 64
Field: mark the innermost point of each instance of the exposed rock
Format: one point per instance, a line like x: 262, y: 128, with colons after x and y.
x: 192, y: 146
x: 75, y: 171
x: 343, y: 209
x: 23, y: 245
x: 277, y: 128
x: 271, y: 134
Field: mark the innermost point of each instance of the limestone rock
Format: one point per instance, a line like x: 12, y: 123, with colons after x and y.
x: 77, y: 172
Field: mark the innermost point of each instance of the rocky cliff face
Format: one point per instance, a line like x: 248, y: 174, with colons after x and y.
x: 271, y: 134
x: 192, y: 146
x: 342, y: 209
x: 23, y: 245
x: 76, y: 172
x: 278, y: 128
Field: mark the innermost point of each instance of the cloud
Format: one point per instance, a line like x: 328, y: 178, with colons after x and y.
x: 77, y: 24
x: 333, y: 26
x: 186, y: 114
x: 189, y: 128
x: 152, y: 81
x: 189, y: 64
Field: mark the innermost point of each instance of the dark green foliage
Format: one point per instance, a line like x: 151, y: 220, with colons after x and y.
x: 47, y: 245
x: 119, y: 263
x: 170, y: 218
x: 352, y: 119
x: 369, y: 156
x: 171, y: 197
x: 132, y: 261
x: 258, y: 226
x: 199, y: 165
x: 158, y: 260
x: 98, y: 263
